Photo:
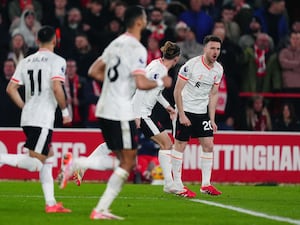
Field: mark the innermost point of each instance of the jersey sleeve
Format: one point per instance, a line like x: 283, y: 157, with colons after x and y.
x: 59, y: 70
x: 17, y: 76
x: 161, y: 99
x: 139, y: 61
x: 105, y: 55
x: 185, y: 71
x: 219, y: 74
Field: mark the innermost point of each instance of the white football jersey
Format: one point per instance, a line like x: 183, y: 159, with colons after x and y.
x: 124, y: 58
x: 145, y: 100
x: 200, y: 80
x: 37, y: 72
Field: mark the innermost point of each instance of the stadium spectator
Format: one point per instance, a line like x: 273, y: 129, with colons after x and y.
x: 17, y: 7
x: 289, y: 59
x: 243, y: 13
x: 153, y: 50
x: 119, y: 10
x: 74, y: 86
x: 212, y: 8
x: 248, y: 39
x: 18, y: 48
x: 147, y: 4
x: 180, y: 31
x: 28, y: 27
x: 197, y: 20
x: 274, y: 20
x: 83, y: 54
x: 177, y: 7
x: 196, y: 101
x: 38, y: 112
x: 72, y: 27
x: 56, y: 14
x: 114, y: 28
x: 257, y: 116
x: 95, y: 19
x: 157, y: 27
x: 5, y: 37
x: 189, y: 47
x: 287, y: 119
x: 261, y: 72
x: 232, y: 28
x: 285, y: 41
x: 169, y: 18
x: 10, y: 114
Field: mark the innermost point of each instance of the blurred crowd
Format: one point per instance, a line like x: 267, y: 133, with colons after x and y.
x: 260, y: 53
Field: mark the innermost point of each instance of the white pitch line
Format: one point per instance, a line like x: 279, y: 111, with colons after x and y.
x: 249, y: 212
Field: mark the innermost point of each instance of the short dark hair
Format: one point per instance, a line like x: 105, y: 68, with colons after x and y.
x: 213, y: 38
x: 131, y: 14
x: 46, y: 34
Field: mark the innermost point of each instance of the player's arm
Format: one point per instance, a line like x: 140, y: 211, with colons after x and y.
x: 12, y: 91
x: 61, y: 100
x: 97, y: 70
x: 143, y: 83
x: 180, y: 83
x: 212, y: 104
x: 161, y: 99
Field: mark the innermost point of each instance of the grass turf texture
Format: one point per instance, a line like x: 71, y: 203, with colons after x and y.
x: 144, y: 204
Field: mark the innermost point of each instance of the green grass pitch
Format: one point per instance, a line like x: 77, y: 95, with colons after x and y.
x: 22, y: 203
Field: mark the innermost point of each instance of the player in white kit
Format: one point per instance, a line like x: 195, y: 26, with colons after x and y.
x: 122, y: 67
x: 42, y: 74
x: 144, y: 102
x: 196, y: 95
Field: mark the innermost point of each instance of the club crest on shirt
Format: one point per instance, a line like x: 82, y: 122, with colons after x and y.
x: 141, y: 61
x: 186, y: 69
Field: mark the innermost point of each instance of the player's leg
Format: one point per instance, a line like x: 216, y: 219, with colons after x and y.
x: 96, y: 161
x: 120, y: 136
x: 47, y: 182
x: 34, y: 158
x: 182, y: 135
x: 99, y: 159
x: 206, y: 162
x: 164, y: 157
x: 150, y: 128
x: 176, y: 160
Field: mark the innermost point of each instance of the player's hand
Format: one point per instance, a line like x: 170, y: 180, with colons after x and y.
x: 138, y: 122
x: 67, y: 120
x: 214, y: 126
x: 167, y: 81
x: 172, y: 112
x: 184, y: 120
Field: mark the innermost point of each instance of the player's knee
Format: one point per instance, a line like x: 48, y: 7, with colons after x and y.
x: 208, y: 147
x: 33, y: 165
x: 166, y: 146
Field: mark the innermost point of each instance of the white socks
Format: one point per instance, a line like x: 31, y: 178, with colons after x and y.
x: 112, y: 190
x: 164, y: 157
x: 22, y: 161
x: 98, y: 160
x: 206, y: 167
x: 47, y: 182
x: 177, y: 169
